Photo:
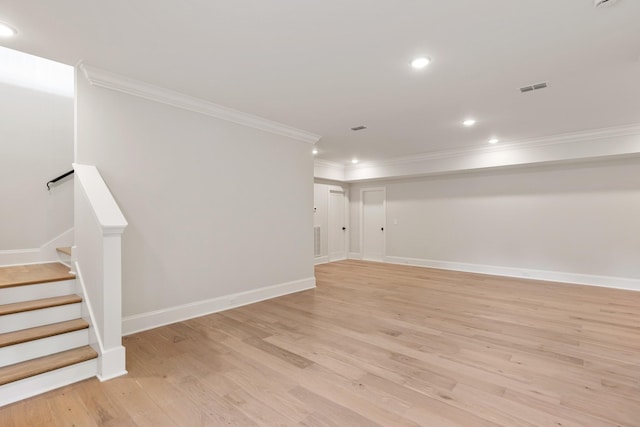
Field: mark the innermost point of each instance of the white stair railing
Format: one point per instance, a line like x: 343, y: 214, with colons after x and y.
x: 99, y: 225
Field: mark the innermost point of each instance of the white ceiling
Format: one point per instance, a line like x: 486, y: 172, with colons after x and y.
x: 325, y: 66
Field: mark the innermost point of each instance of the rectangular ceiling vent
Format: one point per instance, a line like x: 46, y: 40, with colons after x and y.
x: 358, y: 128
x: 533, y: 87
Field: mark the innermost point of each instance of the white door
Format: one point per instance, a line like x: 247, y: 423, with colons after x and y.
x: 373, y: 223
x: 337, y: 226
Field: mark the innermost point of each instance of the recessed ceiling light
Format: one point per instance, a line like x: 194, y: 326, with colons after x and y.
x: 469, y: 122
x: 6, y: 30
x: 315, y: 151
x: 494, y: 141
x: 421, y: 62
x: 354, y: 161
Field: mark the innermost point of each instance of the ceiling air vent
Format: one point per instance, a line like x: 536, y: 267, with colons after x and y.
x: 533, y: 87
x: 358, y: 128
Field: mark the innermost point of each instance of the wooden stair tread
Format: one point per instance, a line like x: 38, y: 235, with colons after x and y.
x: 32, y: 334
x: 65, y: 250
x: 41, y: 365
x: 19, y: 307
x: 33, y: 273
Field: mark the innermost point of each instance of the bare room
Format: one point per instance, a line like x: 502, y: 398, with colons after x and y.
x: 336, y: 213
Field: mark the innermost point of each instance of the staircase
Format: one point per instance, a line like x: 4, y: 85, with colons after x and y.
x: 44, y: 342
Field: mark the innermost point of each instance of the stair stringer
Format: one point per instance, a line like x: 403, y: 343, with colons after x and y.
x: 45, y: 253
x: 111, y: 361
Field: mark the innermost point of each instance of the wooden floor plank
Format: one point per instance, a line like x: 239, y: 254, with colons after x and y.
x: 378, y: 344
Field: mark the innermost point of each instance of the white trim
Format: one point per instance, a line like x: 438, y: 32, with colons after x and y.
x: 559, y: 139
x: 95, y: 339
x: 384, y: 220
x: 112, y: 363
x: 154, y: 319
x: 45, y: 253
x: 551, y: 276
x: 321, y: 260
x: 578, y: 146
x: 48, y: 252
x: 99, y: 225
x: 107, y: 80
x: 104, y: 207
x: 325, y: 169
x: 19, y: 257
x: 354, y: 255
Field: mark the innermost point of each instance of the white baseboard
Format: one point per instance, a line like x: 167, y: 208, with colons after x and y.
x: 19, y: 257
x: 327, y: 259
x: 111, y: 363
x: 355, y: 255
x: 552, y: 276
x: 45, y: 253
x: 154, y: 319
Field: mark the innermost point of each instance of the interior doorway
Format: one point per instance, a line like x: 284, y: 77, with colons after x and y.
x: 337, y: 224
x: 373, y: 222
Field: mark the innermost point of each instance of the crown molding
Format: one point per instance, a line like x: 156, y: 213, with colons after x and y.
x: 559, y: 139
x: 326, y: 169
x: 107, y: 80
x: 575, y: 146
x: 328, y: 164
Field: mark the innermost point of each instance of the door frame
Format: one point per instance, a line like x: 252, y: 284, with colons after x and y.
x: 345, y: 211
x: 384, y: 219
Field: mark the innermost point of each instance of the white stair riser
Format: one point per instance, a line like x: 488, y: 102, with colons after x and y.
x: 19, y: 390
x: 46, y: 316
x: 37, y: 291
x: 43, y: 347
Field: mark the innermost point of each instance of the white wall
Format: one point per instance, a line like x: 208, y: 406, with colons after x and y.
x: 36, y: 131
x: 214, y: 208
x: 582, y: 219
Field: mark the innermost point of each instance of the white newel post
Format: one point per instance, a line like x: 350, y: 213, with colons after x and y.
x: 113, y: 358
x: 99, y: 225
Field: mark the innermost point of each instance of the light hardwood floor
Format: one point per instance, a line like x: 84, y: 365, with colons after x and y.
x: 378, y: 344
